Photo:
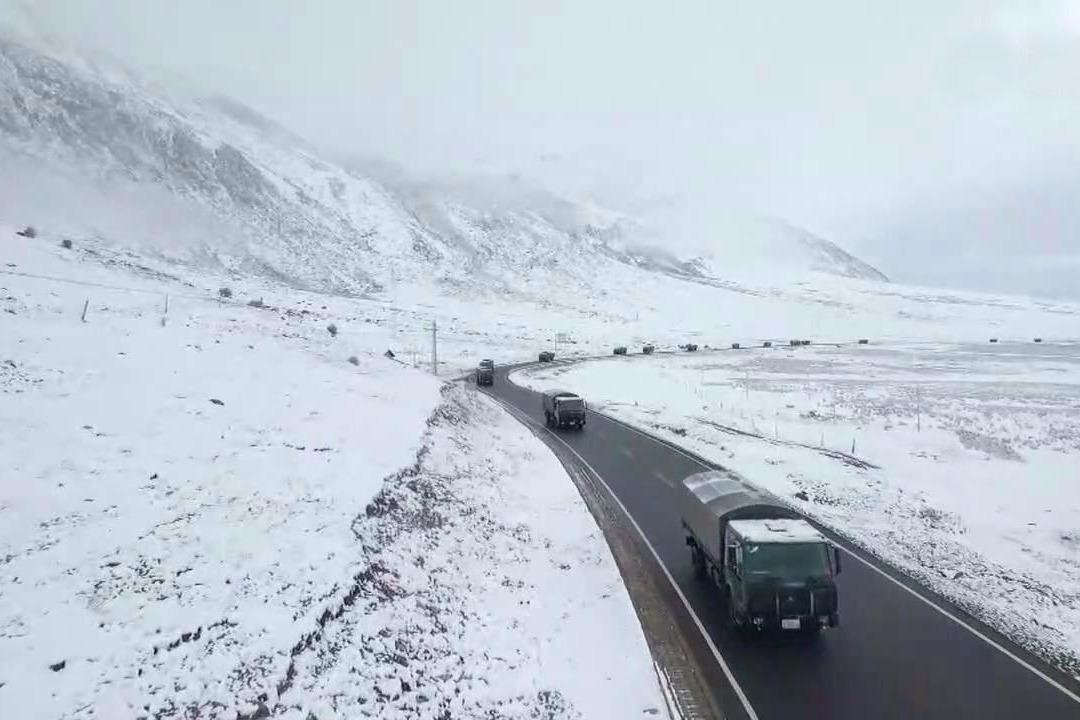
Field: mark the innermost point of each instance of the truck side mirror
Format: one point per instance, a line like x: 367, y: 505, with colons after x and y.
x: 836, y: 559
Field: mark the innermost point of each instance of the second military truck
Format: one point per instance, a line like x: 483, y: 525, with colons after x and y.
x: 563, y: 409
x: 485, y: 373
x: 775, y: 569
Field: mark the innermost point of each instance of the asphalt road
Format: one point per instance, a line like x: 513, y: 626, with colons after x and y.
x: 896, y: 653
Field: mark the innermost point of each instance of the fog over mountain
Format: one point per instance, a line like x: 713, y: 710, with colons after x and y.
x: 934, y: 141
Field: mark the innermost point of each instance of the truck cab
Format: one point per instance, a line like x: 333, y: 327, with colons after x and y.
x: 780, y: 573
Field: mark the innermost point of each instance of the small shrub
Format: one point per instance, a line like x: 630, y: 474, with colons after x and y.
x: 65, y: 243
x: 332, y: 329
x: 28, y: 232
x: 225, y: 293
x: 258, y: 303
x: 353, y: 360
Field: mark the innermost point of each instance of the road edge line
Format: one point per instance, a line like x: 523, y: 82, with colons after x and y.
x: 751, y: 714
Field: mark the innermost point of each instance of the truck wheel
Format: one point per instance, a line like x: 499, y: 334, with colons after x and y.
x: 698, y: 558
x: 735, y: 620
x: 547, y: 418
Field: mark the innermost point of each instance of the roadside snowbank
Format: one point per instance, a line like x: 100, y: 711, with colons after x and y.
x: 492, y: 593
x: 964, y: 470
x: 182, y: 518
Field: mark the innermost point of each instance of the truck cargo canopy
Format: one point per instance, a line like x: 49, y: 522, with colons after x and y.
x: 729, y: 497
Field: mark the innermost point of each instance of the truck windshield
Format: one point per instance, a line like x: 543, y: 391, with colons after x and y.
x: 571, y: 404
x: 787, y: 561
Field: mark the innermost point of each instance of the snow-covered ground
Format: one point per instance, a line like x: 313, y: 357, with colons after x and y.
x: 957, y: 463
x: 213, y: 508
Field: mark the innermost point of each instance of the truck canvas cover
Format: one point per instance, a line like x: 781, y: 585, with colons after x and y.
x: 710, y: 499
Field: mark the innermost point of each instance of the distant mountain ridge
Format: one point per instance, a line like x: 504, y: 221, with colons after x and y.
x: 272, y: 204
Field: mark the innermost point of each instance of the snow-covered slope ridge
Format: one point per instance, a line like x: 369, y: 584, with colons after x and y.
x: 270, y: 203
x: 225, y: 511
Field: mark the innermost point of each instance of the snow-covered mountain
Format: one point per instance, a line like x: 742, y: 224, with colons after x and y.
x: 210, y: 181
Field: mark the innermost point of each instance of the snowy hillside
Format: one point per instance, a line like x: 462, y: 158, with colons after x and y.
x: 221, y: 510
x: 100, y: 153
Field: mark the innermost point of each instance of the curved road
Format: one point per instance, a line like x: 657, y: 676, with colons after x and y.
x: 900, y: 651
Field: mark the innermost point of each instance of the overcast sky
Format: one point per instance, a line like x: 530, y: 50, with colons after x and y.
x: 940, y: 140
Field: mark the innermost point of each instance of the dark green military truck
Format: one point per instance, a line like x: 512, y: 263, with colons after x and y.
x: 775, y: 570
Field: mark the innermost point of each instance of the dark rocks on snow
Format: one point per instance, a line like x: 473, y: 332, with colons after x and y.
x: 216, y: 401
x: 65, y: 243
x: 353, y: 360
x: 260, y: 712
x: 28, y: 232
x: 801, y: 495
x: 57, y: 667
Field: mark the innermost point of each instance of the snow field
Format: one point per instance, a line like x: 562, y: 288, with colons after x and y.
x: 182, y: 515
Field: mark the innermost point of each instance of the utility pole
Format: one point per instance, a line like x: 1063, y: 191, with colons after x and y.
x: 434, y: 347
x: 918, y: 408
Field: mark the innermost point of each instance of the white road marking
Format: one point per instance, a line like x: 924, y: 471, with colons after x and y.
x: 664, y: 478
x: 686, y: 603
x: 851, y: 553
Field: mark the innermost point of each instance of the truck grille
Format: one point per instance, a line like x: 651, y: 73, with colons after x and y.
x: 793, y: 602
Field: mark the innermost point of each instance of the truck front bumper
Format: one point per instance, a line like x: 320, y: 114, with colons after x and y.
x: 794, y: 623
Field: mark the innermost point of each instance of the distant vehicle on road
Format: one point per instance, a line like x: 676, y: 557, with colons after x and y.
x: 563, y: 409
x: 546, y: 356
x: 621, y: 350
x: 485, y: 372
x: 691, y: 347
x: 776, y: 571
x: 648, y: 350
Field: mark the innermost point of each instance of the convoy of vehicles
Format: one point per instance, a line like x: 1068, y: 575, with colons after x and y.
x: 563, y: 409
x: 485, y: 372
x: 775, y: 570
